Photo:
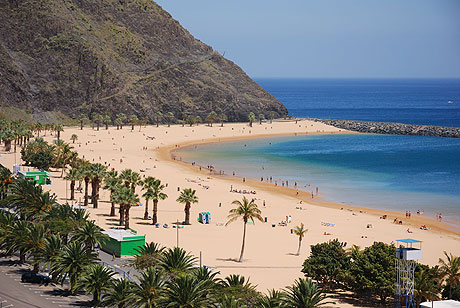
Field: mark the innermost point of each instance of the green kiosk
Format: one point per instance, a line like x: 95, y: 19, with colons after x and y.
x: 122, y: 242
x: 39, y: 177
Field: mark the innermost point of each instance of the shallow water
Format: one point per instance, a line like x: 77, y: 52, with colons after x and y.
x: 377, y: 171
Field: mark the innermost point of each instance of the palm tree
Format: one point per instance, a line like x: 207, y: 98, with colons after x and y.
x: 425, y: 287
x: 126, y: 198
x: 111, y: 182
x: 271, y: 300
x: 97, y: 173
x: 272, y: 116
x: 147, y: 255
x: 304, y: 294
x: 90, y: 234
x: 187, y: 291
x: 449, y: 271
x: 131, y: 178
x: 82, y: 118
x: 72, y: 261
x: 118, y: 123
x: 133, y: 121
x: 222, y: 119
x: 188, y: 197
x: 300, y: 232
x: 85, y: 174
x: 247, y: 210
x: 59, y: 128
x: 34, y: 242
x: 122, y: 117
x: 74, y: 138
x: 158, y: 117
x: 96, y: 279
x: 147, y: 292
x: 119, y: 295
x: 190, y: 120
x: 261, y: 118
x: 211, y: 118
x: 176, y: 261
x: 49, y: 252
x: 154, y: 192
x: 6, y: 179
x: 169, y: 117
x: 107, y: 121
x: 73, y: 176
x: 97, y: 118
x: 251, y: 118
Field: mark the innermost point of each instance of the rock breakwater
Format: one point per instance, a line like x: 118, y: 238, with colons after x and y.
x: 393, y: 128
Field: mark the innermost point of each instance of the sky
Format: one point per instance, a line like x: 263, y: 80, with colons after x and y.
x: 329, y: 38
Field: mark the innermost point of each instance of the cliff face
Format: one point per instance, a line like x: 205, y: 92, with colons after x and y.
x: 111, y: 56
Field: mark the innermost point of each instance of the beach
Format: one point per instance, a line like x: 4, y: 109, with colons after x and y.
x: 269, y: 260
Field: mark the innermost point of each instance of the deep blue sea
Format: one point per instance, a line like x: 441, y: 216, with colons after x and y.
x: 378, y: 171
x: 415, y: 101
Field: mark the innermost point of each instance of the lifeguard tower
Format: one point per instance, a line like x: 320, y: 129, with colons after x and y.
x: 405, y: 263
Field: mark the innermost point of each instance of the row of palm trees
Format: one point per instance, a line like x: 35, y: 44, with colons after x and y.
x: 62, y: 240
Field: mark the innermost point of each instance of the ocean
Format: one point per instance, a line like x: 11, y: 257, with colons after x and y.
x: 376, y: 171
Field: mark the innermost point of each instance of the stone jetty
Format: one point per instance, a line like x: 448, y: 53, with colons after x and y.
x: 393, y: 128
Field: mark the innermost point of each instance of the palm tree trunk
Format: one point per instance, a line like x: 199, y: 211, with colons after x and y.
x: 155, y: 210
x: 95, y: 192
x: 72, y: 190
x: 22, y: 256
x: 81, y: 125
x: 300, y: 243
x: 112, y: 209
x: 187, y: 213
x: 242, y: 246
x: 86, y: 191
x: 36, y: 267
x: 146, y: 213
x: 122, y: 214
x: 127, y: 217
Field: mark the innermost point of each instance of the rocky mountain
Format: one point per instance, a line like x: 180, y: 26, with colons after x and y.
x: 109, y: 56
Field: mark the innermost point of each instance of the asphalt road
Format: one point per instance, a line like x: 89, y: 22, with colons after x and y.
x: 16, y: 294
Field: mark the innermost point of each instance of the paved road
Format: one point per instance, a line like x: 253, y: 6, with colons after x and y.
x: 15, y: 294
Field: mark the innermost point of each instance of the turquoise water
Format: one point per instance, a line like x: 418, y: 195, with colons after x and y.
x: 377, y: 171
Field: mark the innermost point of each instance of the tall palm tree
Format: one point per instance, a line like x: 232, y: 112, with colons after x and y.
x: 49, y: 252
x: 304, y: 294
x: 123, y: 118
x: 6, y: 179
x: 147, y: 255
x: 107, y: 121
x: 131, y: 178
x: 85, y: 172
x: 158, y: 116
x: 97, y: 173
x: 72, y: 262
x: 111, y: 182
x: 126, y: 198
x: 133, y: 121
x: 32, y: 245
x: 247, y: 210
x: 73, y: 176
x: 169, y: 117
x: 153, y: 189
x: 147, y: 292
x: 272, y: 116
x: 96, y: 279
x: 187, y: 197
x: 261, y: 118
x: 58, y: 129
x: 222, y: 119
x: 449, y: 271
x: 82, y: 118
x: 90, y: 234
x: 176, y: 261
x: 211, y: 117
x: 187, y: 291
x: 251, y: 118
x: 97, y: 118
x: 120, y: 294
x: 300, y: 232
x: 118, y: 123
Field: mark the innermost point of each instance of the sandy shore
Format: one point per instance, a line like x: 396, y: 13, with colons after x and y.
x: 269, y: 257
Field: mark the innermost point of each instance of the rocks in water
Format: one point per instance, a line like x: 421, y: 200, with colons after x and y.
x: 393, y: 128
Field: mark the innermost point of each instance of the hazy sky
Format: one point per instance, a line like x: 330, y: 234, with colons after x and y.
x: 329, y: 38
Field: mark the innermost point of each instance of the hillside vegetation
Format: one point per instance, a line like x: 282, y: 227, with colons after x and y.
x: 83, y: 56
